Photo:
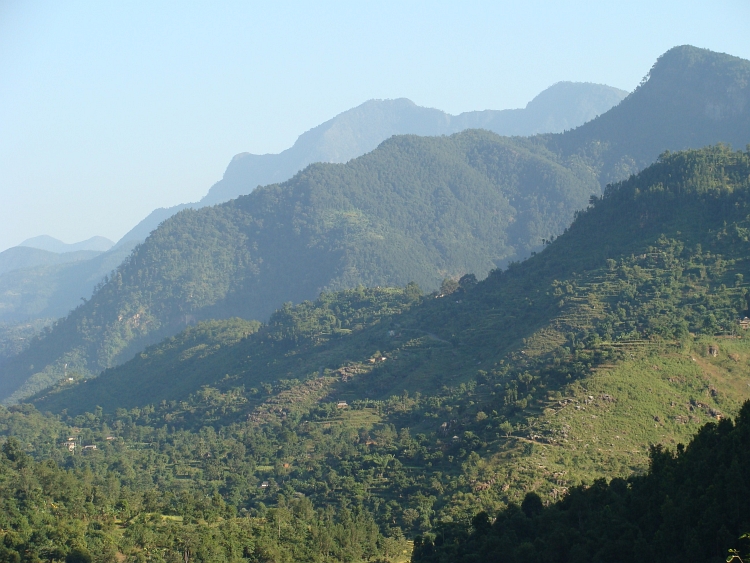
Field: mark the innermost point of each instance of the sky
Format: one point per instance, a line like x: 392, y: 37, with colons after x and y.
x: 109, y: 110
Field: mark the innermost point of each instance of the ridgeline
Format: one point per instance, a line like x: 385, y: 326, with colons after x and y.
x: 415, y: 209
x: 622, y: 333
x: 347, y: 425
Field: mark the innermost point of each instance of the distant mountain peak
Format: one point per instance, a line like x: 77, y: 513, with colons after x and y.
x: 51, y: 244
x: 359, y: 130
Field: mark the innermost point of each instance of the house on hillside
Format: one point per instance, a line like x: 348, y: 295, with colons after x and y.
x: 70, y: 444
x: 341, y: 405
x: 745, y: 323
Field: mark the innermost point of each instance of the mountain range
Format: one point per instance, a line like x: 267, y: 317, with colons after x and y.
x: 426, y: 409
x: 51, y: 244
x: 265, y: 379
x: 415, y: 209
x: 357, y: 131
x: 360, y: 130
x: 21, y: 257
x: 52, y: 292
x: 38, y: 284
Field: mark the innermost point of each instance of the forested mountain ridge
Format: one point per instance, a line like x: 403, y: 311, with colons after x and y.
x: 690, y: 98
x: 562, y: 106
x: 557, y: 371
x: 420, y: 411
x: 43, y: 294
x: 416, y: 209
x: 413, y: 210
x: 680, y: 219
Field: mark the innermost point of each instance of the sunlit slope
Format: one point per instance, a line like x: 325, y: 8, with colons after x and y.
x: 690, y: 506
x: 300, y: 339
x: 416, y: 209
x: 623, y: 332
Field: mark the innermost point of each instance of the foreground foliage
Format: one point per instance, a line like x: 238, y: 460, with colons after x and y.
x: 81, y: 512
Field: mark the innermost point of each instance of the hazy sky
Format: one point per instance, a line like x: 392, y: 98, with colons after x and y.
x: 111, y: 109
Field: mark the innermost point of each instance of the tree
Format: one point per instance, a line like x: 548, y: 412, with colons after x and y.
x: 448, y: 286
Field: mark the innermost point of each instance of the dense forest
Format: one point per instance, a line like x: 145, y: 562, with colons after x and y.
x: 96, y: 508
x: 118, y: 502
x: 415, y: 209
x: 384, y: 414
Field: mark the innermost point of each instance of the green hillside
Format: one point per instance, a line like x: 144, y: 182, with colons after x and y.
x: 416, y: 209
x: 232, y: 441
x: 692, y: 506
x: 560, y: 370
x: 308, y: 334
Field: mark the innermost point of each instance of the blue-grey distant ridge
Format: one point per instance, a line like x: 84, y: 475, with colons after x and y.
x: 51, y: 244
x: 357, y: 131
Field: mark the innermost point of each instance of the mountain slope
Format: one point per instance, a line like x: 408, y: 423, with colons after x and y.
x: 692, y: 505
x: 559, y: 370
x: 416, y: 209
x: 360, y: 130
x: 686, y: 213
x: 691, y: 98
